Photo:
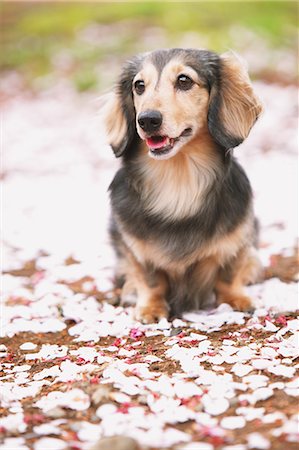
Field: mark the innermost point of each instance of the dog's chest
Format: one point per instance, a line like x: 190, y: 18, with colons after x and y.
x: 176, y: 190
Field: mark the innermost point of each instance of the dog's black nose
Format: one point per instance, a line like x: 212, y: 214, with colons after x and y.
x: 150, y: 120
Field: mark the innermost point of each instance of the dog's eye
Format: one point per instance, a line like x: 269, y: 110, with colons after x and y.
x: 184, y: 83
x: 139, y: 87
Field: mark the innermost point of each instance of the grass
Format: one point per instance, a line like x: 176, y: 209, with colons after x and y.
x: 35, y: 34
x: 53, y: 19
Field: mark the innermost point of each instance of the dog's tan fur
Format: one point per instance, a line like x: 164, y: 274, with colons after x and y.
x: 245, y: 269
x: 240, y: 105
x: 114, y: 120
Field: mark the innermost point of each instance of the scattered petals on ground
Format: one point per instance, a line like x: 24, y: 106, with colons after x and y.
x: 76, y: 366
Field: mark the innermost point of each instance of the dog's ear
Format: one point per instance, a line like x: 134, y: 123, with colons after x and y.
x: 119, y: 112
x: 115, y: 122
x: 234, y: 108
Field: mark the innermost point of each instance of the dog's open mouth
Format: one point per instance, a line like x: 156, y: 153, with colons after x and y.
x: 162, y: 145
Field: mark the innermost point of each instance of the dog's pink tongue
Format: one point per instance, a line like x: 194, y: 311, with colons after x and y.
x: 157, y: 141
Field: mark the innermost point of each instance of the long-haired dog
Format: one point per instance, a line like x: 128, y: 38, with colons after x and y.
x: 182, y: 217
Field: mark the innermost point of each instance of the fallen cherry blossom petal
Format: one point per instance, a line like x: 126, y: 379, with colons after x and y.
x: 262, y: 393
x: 251, y: 413
x: 256, y: 381
x: 196, y: 445
x: 215, y: 407
x: 273, y: 417
x: 73, y: 399
x: 53, y: 371
x: 14, y: 443
x: 46, y: 428
x: 269, y: 326
x: 241, y: 369
x: 28, y: 346
x: 282, y: 370
x: 14, y: 423
x: 48, y: 351
x: 262, y: 364
x: 86, y: 353
x: 258, y: 441
x: 49, y: 443
x: 22, y: 368
x: 233, y: 422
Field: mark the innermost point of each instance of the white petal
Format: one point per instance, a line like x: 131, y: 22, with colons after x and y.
x: 28, y: 346
x: 49, y: 443
x: 250, y: 413
x: 282, y: 370
x: 233, y: 422
x: 270, y: 326
x: 262, y: 393
x: 241, y: 369
x: 258, y: 441
x: 215, y: 407
x: 196, y: 446
x: 261, y: 364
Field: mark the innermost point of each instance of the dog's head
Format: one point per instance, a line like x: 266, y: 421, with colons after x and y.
x: 168, y: 97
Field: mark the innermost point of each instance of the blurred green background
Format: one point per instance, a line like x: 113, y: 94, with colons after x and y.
x: 84, y: 44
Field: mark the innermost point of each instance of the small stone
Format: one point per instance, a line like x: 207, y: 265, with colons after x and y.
x: 112, y: 300
x: 116, y: 443
x: 55, y: 413
x: 101, y: 394
x: 175, y: 331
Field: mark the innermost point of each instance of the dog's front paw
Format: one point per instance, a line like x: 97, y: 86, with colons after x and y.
x: 239, y: 302
x: 154, y: 310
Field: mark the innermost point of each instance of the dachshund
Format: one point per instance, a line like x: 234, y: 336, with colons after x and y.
x: 182, y: 222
